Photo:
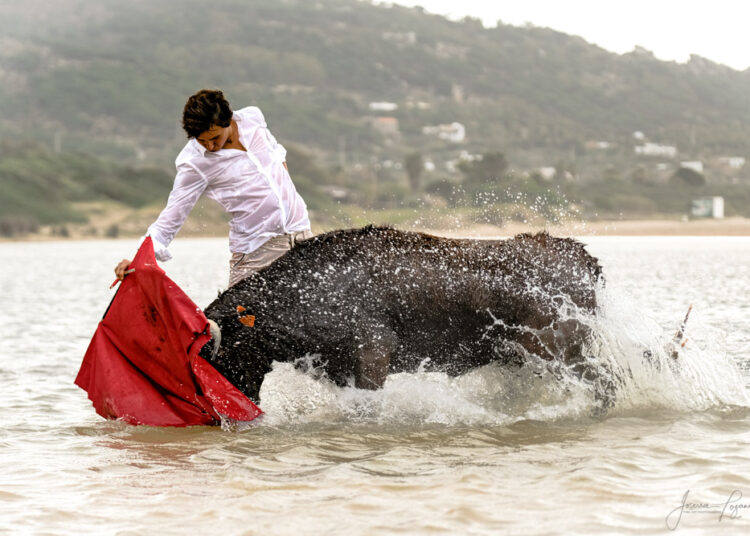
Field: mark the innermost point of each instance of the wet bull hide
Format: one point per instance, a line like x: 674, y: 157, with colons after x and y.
x: 373, y: 301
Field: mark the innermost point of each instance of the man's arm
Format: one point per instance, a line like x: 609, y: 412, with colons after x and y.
x: 189, y: 184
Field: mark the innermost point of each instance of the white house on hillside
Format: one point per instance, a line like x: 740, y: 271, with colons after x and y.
x: 708, y: 207
x: 383, y: 106
x: 600, y: 145
x: 732, y: 162
x: 402, y: 38
x: 695, y: 165
x: 453, y: 132
x: 656, y: 149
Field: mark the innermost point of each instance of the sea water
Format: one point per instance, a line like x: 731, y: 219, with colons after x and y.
x: 493, y: 451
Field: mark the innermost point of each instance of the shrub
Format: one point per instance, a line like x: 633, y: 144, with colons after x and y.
x: 17, y: 226
x: 113, y: 231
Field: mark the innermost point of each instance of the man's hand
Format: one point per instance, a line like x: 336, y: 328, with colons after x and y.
x: 120, y: 268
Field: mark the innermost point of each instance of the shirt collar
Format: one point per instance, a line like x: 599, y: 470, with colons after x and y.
x: 202, y: 150
x: 198, y: 147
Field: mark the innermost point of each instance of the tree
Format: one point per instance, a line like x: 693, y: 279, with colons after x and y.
x: 689, y: 177
x: 414, y: 166
x: 639, y: 175
x: 491, y: 167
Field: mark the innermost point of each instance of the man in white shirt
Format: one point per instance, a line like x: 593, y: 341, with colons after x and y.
x: 235, y: 160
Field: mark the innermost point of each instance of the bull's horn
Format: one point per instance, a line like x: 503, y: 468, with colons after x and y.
x: 679, y: 340
x: 216, y: 336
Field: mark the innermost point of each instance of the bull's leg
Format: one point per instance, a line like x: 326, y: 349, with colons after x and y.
x: 372, y: 357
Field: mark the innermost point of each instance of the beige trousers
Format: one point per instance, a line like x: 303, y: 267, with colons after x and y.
x: 242, y: 265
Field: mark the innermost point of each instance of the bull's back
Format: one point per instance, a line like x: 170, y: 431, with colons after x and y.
x: 450, y: 301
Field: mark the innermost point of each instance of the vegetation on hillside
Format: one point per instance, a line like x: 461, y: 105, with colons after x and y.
x: 91, y: 93
x: 125, y: 68
x: 39, y: 187
x: 44, y: 188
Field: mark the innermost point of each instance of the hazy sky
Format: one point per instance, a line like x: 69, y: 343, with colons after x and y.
x: 716, y: 29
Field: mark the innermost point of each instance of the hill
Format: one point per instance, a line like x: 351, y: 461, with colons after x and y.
x: 358, y: 87
x: 120, y: 71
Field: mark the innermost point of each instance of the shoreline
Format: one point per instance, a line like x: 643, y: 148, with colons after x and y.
x: 657, y: 227
x: 660, y: 227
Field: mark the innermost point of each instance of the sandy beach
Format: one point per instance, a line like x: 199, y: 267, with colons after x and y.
x: 661, y: 227
x: 208, y: 219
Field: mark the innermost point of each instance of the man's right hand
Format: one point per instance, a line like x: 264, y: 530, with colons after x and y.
x: 121, y: 267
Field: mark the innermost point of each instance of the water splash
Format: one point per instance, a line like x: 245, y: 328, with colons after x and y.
x: 701, y: 378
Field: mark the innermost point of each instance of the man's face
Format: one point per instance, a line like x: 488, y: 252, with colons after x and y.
x: 214, y: 138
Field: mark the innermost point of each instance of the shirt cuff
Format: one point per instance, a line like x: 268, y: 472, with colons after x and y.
x: 160, y: 249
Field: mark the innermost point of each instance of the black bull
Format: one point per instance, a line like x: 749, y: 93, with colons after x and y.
x: 373, y: 301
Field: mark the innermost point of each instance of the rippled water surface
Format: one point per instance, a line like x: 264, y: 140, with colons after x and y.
x: 491, y: 452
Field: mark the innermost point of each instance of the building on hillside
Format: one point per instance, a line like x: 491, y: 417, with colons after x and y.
x: 401, y: 38
x: 547, y: 172
x: 389, y: 164
x: 463, y: 156
x: 598, y: 145
x: 387, y: 126
x: 695, y: 165
x: 466, y: 156
x: 419, y: 105
x: 638, y: 135
x: 451, y: 50
x: 458, y: 93
x: 383, y: 106
x: 707, y: 207
x: 453, y: 132
x: 656, y: 149
x: 336, y: 192
x: 661, y: 173
x: 567, y: 176
x: 732, y: 162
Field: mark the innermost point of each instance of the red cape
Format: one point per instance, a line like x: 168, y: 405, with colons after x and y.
x: 142, y: 365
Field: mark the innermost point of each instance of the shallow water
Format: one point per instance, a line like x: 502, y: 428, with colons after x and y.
x: 491, y: 452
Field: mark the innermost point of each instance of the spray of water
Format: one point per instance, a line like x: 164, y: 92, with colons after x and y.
x: 701, y: 377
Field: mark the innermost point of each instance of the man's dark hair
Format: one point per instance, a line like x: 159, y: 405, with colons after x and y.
x: 205, y: 108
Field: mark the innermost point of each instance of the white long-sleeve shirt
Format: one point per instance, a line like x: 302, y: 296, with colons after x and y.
x: 253, y: 186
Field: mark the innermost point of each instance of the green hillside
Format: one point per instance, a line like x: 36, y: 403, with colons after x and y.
x: 39, y: 187
x: 109, y: 79
x: 123, y: 70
